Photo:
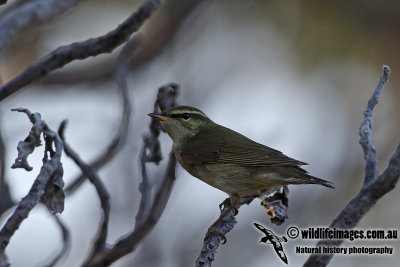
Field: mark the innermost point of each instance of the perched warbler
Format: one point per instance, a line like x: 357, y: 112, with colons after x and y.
x: 228, y: 160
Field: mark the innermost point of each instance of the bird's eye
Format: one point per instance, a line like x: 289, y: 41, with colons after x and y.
x: 186, y: 116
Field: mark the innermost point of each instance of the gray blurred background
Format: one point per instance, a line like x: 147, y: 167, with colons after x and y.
x: 293, y: 76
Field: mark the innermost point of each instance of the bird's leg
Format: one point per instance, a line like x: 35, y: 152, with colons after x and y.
x: 225, y: 203
x: 211, y: 229
x: 235, y: 199
x: 231, y: 204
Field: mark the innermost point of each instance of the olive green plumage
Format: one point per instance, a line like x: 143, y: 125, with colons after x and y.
x: 226, y: 159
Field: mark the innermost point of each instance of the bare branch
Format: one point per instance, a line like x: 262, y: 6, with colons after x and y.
x: 50, y: 173
x: 151, y: 150
x: 156, y: 39
x: 372, y: 190
x: 147, y: 220
x: 5, y: 197
x: 2, y: 159
x: 211, y: 244
x: 366, y: 141
x: 120, y: 138
x: 29, y: 14
x: 101, y: 236
x: 91, y: 47
x: 276, y: 205
x: 129, y: 243
x: 145, y: 189
x: 66, y: 242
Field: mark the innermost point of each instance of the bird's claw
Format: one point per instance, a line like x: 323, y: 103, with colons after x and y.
x: 226, y: 202
x: 215, y: 232
x: 236, y: 211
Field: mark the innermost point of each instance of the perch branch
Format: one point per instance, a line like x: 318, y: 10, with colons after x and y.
x: 50, y: 175
x: 211, y: 244
x: 374, y: 186
x: 166, y: 98
x: 81, y: 50
x: 29, y: 14
x: 119, y: 140
x: 275, y: 204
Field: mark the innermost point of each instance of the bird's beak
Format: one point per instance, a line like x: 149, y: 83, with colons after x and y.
x: 160, y: 116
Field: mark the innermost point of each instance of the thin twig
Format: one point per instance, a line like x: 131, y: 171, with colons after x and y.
x: 2, y: 158
x: 101, y: 236
x: 6, y: 201
x: 30, y: 14
x: 366, y: 141
x: 156, y: 39
x: 119, y: 140
x: 373, y: 188
x: 81, y: 50
x: 145, y: 189
x: 66, y: 242
x: 50, y: 172
x: 166, y: 98
x: 129, y: 243
x: 151, y: 150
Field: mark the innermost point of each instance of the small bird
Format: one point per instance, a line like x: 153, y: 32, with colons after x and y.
x: 228, y: 160
x: 274, y: 240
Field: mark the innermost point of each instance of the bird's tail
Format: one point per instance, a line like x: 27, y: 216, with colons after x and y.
x: 303, y: 177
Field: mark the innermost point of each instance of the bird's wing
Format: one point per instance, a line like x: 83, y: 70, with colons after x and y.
x: 227, y: 146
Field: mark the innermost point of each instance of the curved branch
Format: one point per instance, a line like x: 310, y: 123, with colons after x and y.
x: 91, y: 47
x: 374, y: 187
x: 29, y: 14
x: 88, y: 171
x: 119, y: 140
x: 66, y: 242
x: 366, y: 141
x: 146, y: 219
x: 129, y: 243
x: 6, y: 201
x: 157, y: 38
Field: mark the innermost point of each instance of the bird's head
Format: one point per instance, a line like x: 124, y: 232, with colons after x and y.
x: 182, y: 122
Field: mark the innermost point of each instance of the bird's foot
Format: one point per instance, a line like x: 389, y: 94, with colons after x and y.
x: 215, y: 232
x: 228, y: 203
x: 225, y: 203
